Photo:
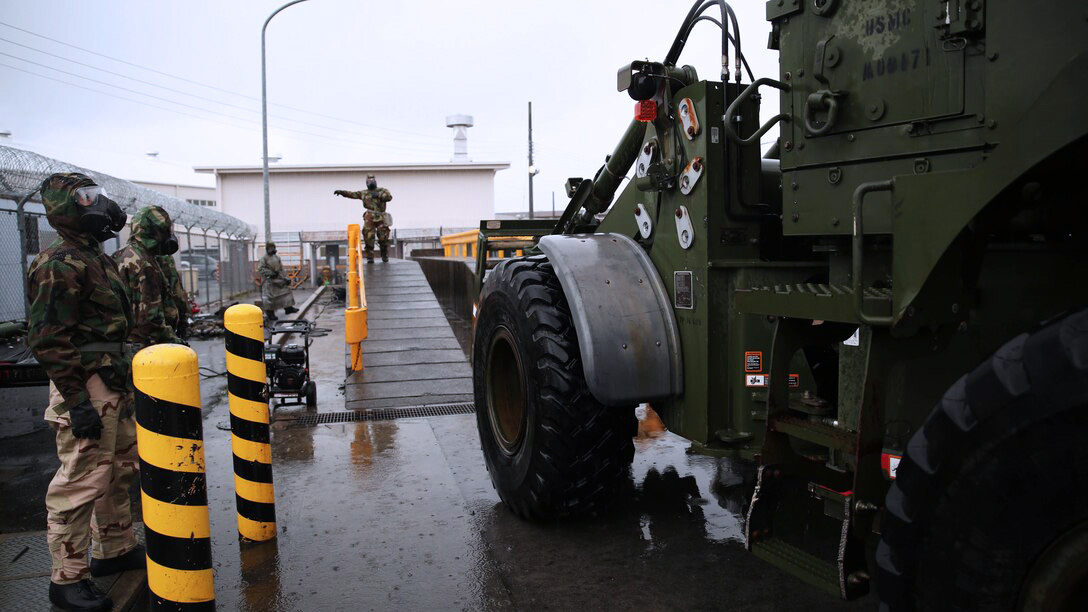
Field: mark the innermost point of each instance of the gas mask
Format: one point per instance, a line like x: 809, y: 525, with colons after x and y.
x: 270, y: 250
x: 371, y: 184
x: 99, y: 216
x: 168, y: 245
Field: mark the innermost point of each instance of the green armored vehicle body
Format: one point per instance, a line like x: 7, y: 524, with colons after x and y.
x: 886, y: 313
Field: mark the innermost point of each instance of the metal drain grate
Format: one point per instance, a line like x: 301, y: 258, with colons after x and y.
x: 384, y: 414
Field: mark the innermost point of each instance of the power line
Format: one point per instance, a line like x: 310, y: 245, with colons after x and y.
x: 206, y: 110
x: 306, y: 134
x: 435, y: 147
x: 213, y: 87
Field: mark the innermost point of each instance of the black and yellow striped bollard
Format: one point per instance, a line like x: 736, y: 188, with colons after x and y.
x: 170, y: 438
x: 249, y: 419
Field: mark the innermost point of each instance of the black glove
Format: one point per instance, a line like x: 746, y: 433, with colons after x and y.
x: 85, y: 421
x: 338, y: 192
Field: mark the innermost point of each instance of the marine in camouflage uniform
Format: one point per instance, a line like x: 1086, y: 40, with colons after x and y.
x: 376, y: 221
x: 144, y: 281
x: 177, y: 310
x: 79, y: 320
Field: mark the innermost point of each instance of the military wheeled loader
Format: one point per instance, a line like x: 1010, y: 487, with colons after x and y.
x: 885, y: 312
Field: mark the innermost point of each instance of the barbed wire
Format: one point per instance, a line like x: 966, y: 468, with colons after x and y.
x: 22, y: 171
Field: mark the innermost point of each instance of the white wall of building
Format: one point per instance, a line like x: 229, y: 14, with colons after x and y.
x: 424, y: 195
x: 183, y: 192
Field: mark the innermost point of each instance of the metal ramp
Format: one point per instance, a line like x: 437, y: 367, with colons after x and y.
x: 411, y: 356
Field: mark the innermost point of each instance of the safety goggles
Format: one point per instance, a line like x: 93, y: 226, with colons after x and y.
x: 85, y: 196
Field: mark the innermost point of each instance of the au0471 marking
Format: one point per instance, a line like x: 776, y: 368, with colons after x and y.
x: 893, y: 63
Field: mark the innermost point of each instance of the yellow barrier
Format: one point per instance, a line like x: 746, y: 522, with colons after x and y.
x: 355, y: 319
x: 460, y: 244
x: 174, y: 489
x: 463, y: 244
x: 249, y: 420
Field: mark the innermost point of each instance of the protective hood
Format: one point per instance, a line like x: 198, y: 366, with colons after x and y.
x: 58, y: 195
x: 151, y: 229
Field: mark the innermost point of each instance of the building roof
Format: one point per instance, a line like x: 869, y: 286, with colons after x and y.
x: 406, y: 167
x: 324, y: 236
x: 151, y: 184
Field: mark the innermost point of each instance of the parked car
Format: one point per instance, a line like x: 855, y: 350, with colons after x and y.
x: 203, y: 264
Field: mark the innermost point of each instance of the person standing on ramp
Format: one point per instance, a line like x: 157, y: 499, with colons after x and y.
x: 376, y: 221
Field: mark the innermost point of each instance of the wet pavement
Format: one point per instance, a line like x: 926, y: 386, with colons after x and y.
x: 401, y: 514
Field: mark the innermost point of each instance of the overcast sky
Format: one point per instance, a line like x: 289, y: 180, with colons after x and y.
x: 99, y: 83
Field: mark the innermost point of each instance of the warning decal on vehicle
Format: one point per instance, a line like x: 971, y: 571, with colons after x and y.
x: 684, y: 296
x: 795, y: 380
x: 753, y: 361
x: 890, y: 464
x: 755, y: 380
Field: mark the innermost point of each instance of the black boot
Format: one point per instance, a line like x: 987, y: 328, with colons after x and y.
x: 290, y: 310
x: 78, y: 597
x: 271, y: 315
x: 385, y: 253
x: 370, y: 256
x: 133, y: 559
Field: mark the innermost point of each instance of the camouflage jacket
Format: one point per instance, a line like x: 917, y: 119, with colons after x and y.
x: 144, y: 281
x: 76, y: 298
x: 176, y: 309
x: 373, y: 199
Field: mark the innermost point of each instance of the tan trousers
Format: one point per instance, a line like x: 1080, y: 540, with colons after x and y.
x: 88, y: 498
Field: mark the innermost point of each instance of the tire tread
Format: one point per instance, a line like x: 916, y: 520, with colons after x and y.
x: 583, y: 451
x: 1029, y: 379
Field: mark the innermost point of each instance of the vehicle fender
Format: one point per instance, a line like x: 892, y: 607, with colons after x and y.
x: 622, y: 316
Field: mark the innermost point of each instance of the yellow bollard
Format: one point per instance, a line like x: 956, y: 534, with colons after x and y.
x: 249, y: 419
x: 174, y: 490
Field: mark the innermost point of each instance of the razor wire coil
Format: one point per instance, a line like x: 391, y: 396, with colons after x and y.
x: 23, y: 171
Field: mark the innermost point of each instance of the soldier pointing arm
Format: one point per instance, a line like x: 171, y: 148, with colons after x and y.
x: 376, y: 221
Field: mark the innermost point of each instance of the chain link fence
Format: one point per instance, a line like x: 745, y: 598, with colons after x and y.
x: 213, y: 259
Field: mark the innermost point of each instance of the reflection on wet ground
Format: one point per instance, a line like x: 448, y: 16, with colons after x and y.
x: 402, y: 515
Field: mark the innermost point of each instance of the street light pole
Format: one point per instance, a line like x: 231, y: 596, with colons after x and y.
x: 532, y: 169
x: 264, y: 124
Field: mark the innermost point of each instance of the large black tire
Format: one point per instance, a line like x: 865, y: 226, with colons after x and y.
x: 552, y: 449
x: 994, y: 486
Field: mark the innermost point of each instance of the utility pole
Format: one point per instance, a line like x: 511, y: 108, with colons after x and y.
x: 264, y: 126
x: 532, y: 168
x: 553, y: 205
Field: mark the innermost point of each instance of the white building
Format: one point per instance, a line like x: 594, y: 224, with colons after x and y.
x: 193, y: 194
x: 425, y: 195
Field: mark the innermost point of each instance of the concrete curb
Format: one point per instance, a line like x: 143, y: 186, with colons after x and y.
x: 309, y: 302
x: 302, y: 310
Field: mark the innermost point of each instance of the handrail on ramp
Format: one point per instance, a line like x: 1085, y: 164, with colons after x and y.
x: 355, y: 317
